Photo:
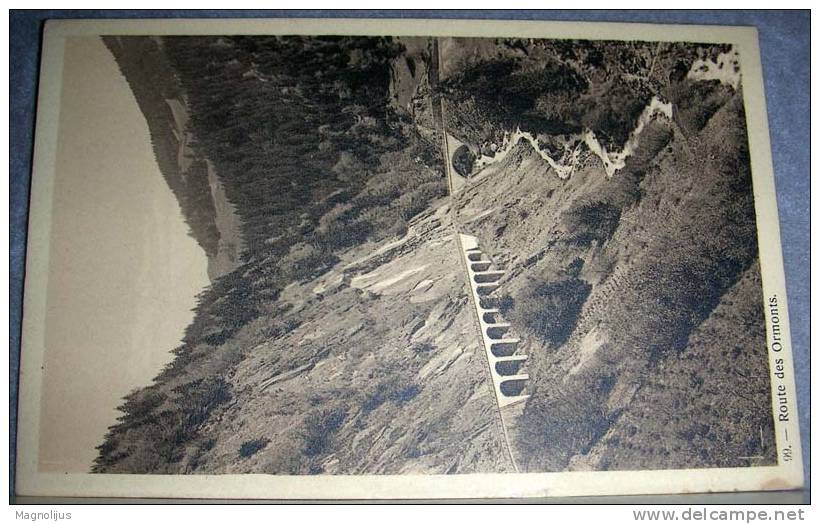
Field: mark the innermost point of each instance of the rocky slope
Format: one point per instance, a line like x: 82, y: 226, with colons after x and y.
x: 377, y: 369
x: 612, y: 185
x: 637, y: 289
x: 344, y: 343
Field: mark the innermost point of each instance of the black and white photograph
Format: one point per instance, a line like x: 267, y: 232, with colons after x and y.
x: 342, y: 256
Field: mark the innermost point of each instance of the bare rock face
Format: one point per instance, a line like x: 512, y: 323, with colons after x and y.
x: 381, y: 371
x: 620, y: 212
x: 410, y: 86
x: 344, y: 343
x: 615, y: 282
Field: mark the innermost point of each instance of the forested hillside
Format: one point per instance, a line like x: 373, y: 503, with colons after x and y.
x: 637, y: 289
x: 315, y: 161
x: 610, y: 180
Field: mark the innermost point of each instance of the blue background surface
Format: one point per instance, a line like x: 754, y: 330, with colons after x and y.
x: 785, y: 48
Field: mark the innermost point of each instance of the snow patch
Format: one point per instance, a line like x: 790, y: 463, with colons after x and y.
x: 363, y: 280
x: 424, y: 285
x: 511, y: 140
x: 613, y: 161
x: 479, y: 216
x: 382, y: 250
x: 725, y: 69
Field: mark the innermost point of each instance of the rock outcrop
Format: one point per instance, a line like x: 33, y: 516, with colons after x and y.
x: 345, y: 341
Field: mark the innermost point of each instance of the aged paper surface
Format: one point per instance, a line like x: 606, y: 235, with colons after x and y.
x: 469, y: 259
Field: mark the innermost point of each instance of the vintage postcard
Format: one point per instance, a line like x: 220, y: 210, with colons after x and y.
x: 333, y: 259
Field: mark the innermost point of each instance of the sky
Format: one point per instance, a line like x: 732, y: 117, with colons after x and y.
x: 123, y: 273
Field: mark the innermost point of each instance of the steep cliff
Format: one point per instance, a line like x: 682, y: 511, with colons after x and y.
x: 635, y: 283
x: 610, y: 180
x: 344, y: 343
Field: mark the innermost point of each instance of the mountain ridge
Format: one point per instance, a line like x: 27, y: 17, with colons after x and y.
x: 344, y: 341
